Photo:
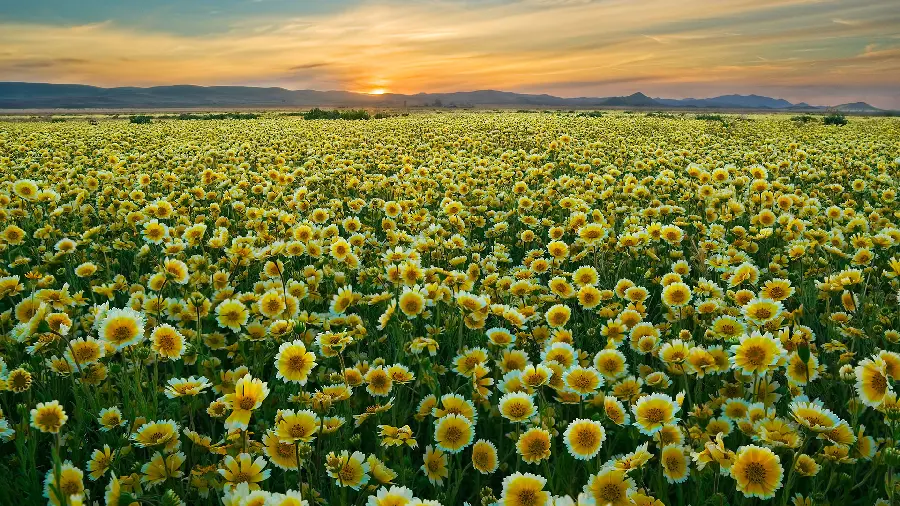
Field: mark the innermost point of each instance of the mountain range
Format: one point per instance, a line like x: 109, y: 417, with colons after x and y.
x: 20, y: 95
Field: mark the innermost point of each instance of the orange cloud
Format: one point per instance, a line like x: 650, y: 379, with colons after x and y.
x: 578, y: 47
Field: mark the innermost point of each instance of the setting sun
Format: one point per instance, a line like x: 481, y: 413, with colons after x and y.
x: 377, y: 91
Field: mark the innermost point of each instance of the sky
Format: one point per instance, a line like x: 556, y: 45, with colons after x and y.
x: 823, y: 52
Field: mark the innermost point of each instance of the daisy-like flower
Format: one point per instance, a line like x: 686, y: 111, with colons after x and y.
x: 348, y: 470
x: 584, y: 438
x: 453, y: 433
x: 435, y: 465
x: 280, y: 452
x: 232, y: 314
x: 757, y: 353
x: 583, y: 381
x: 652, y: 412
x: 122, y: 327
x: 393, y: 496
x: 69, y: 482
x: 610, y: 487
x: 676, y: 294
x: 244, y: 469
x: 272, y: 304
x: 675, y: 463
x: 176, y: 270
x: 294, y: 362
x: 534, y: 445
x: 167, y: 341
x: 517, y: 406
x: 814, y: 416
x: 294, y: 426
x: 48, y: 417
x: 558, y: 315
x: 186, y: 387
x: 761, y: 311
x: 484, y: 457
x: 100, y: 461
x: 872, y: 383
x: 757, y: 472
x: 85, y: 351
x: 524, y: 489
x: 155, y: 433
x: 248, y: 395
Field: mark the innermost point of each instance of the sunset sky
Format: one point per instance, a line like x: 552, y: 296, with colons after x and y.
x: 821, y: 52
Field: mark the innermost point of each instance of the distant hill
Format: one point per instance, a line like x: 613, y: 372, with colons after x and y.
x: 19, y: 95
x: 856, y: 107
x: 729, y: 102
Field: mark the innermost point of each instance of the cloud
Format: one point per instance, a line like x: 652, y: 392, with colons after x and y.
x: 576, y: 48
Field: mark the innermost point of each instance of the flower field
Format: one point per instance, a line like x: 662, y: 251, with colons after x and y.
x: 516, y: 308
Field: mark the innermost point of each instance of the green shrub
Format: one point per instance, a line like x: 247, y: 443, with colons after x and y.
x: 835, y: 119
x: 140, y: 119
x: 803, y: 118
x: 350, y: 114
x: 711, y: 117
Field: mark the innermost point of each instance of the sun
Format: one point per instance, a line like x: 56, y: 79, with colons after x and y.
x: 377, y: 91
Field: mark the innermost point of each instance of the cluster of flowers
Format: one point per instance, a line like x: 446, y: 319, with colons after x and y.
x: 523, y: 309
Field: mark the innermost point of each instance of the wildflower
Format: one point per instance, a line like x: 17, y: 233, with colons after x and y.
x: 48, y: 417
x: 584, y: 438
x: 244, y: 470
x: 757, y: 472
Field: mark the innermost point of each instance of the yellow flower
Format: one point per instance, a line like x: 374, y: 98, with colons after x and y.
x: 167, y: 342
x: 248, y: 395
x: 280, y: 452
x: 453, y: 433
x: 484, y: 457
x: 676, y: 294
x: 271, y: 304
x: 584, y: 438
x: 122, y: 327
x: 155, y: 433
x: 348, y: 470
x: 524, y: 489
x: 756, y: 353
x: 294, y: 363
x: 533, y: 445
x: 293, y: 426
x: 100, y: 462
x: 814, y: 416
x: 675, y: 464
x: 176, y: 270
x: 757, y: 472
x: 48, y: 417
x: 244, y: 469
x: 379, y: 382
x: 158, y: 470
x: 435, y: 465
x: 652, y: 412
x: 872, y: 383
x: 110, y: 418
x: 517, y: 406
x: 558, y: 315
x: 610, y: 487
x: 761, y: 311
x: 232, y: 314
x: 182, y: 387
x: 70, y: 482
x: 412, y: 301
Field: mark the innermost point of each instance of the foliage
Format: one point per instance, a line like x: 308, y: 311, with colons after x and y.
x: 140, y: 119
x: 349, y: 114
x: 634, y: 307
x: 835, y: 119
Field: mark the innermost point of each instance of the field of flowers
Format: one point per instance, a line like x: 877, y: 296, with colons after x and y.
x: 516, y: 308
